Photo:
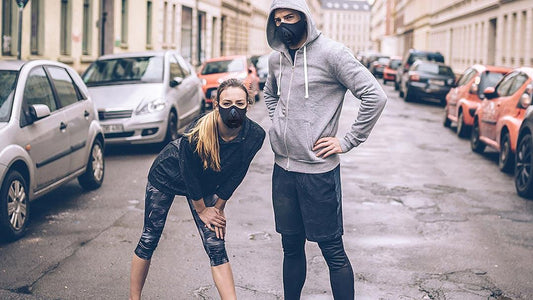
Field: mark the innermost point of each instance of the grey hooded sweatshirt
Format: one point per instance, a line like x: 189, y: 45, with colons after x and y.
x: 304, y: 97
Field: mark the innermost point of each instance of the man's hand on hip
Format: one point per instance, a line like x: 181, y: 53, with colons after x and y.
x: 327, y: 146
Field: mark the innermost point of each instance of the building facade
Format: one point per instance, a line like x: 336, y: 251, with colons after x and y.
x: 76, y: 32
x: 466, y: 32
x: 348, y: 22
x: 494, y: 32
x: 382, y: 27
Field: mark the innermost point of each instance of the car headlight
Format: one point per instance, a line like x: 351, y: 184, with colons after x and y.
x: 151, y: 106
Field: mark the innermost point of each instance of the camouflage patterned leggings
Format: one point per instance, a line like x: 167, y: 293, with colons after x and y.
x: 156, y: 207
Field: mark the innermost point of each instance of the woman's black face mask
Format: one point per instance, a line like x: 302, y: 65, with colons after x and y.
x: 291, y: 34
x: 232, y: 116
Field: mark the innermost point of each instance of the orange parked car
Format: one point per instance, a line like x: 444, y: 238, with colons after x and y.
x: 390, y: 71
x: 463, y: 100
x: 499, y: 116
x: 215, y: 70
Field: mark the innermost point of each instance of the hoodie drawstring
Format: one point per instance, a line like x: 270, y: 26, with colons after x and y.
x: 279, y: 79
x: 305, y: 74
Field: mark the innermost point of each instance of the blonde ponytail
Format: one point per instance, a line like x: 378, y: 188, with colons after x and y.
x: 205, y: 134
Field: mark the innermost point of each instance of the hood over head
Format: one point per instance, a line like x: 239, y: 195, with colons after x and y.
x: 299, y: 5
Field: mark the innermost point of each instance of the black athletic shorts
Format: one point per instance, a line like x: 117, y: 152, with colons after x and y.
x: 308, y: 203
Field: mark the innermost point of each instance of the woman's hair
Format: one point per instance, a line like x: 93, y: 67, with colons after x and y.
x: 205, y: 132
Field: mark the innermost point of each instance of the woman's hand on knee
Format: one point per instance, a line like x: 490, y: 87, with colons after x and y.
x: 212, y: 216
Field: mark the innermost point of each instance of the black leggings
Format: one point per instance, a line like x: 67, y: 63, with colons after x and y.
x: 156, y: 207
x: 294, y: 267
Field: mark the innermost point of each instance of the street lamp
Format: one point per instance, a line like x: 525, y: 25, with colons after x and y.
x: 21, y: 4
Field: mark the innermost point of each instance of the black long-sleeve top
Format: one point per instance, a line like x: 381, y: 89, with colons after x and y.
x: 178, y: 169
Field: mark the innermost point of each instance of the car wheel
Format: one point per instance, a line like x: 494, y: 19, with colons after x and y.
x: 505, y: 158
x: 462, y: 129
x: 523, y: 173
x: 475, y: 143
x: 172, y: 127
x: 257, y: 97
x: 95, y: 170
x: 447, y: 122
x: 384, y: 82
x: 408, y: 96
x: 15, y: 206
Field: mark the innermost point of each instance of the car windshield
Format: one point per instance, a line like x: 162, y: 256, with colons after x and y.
x: 489, y: 79
x: 435, y: 69
x: 395, y: 63
x: 262, y: 62
x: 223, y: 66
x: 383, y: 60
x: 8, y: 80
x: 147, y: 69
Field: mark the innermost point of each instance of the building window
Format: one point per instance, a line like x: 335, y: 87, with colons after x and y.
x: 36, y: 43
x: 165, y: 23
x: 124, y: 22
x: 173, y: 31
x: 8, y: 19
x: 186, y: 33
x: 202, y: 24
x: 66, y: 25
x: 87, y: 28
x: 149, y: 23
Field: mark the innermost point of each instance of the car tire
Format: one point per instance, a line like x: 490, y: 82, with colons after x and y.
x: 95, y: 170
x: 14, y: 193
x: 384, y: 82
x: 505, y: 157
x: 257, y: 97
x: 447, y: 122
x: 475, y: 143
x: 523, y: 173
x: 462, y: 129
x: 172, y: 127
x: 408, y: 96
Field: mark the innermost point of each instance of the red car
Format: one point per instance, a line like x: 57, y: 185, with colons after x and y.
x: 498, y: 118
x: 215, y: 70
x: 390, y: 71
x: 463, y: 100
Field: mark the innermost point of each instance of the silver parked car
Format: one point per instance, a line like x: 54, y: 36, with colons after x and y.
x: 49, y: 135
x: 144, y: 97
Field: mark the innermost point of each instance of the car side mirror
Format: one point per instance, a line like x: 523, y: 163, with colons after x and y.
x: 37, y: 112
x: 490, y: 93
x: 525, y: 100
x: 175, y: 82
x: 474, y: 89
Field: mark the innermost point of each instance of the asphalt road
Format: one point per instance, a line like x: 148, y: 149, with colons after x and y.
x: 424, y: 217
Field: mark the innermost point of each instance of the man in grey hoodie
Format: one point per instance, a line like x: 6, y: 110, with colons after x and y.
x: 309, y: 75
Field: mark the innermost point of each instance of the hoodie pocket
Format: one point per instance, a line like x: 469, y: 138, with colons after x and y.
x: 292, y: 138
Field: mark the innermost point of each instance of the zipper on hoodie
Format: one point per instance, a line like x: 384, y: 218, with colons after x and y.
x: 287, y: 111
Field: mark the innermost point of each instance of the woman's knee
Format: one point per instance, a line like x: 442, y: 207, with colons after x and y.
x: 216, y: 250
x: 334, y: 254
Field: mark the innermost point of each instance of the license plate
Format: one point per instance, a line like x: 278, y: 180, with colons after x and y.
x: 436, y: 82
x: 113, y: 128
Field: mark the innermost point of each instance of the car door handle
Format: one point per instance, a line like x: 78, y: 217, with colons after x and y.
x: 62, y: 126
x: 86, y: 114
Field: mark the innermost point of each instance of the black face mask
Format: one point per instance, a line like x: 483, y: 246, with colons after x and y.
x: 232, y: 116
x: 291, y: 34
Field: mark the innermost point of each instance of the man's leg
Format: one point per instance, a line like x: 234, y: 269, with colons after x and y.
x: 340, y: 270
x: 294, y: 265
x: 289, y: 224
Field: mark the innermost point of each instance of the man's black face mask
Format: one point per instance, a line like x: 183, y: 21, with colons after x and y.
x: 291, y: 34
x: 232, y: 116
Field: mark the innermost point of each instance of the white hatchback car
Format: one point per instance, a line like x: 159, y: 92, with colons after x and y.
x: 50, y: 135
x: 144, y: 97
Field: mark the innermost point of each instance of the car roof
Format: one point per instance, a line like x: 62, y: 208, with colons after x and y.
x: 431, y: 62
x: 229, y: 57
x: 134, y: 54
x: 12, y: 65
x: 495, y: 69
x: 527, y: 70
